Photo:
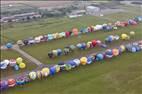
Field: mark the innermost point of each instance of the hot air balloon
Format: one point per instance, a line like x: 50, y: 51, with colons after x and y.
x: 108, y: 53
x: 3, y: 85
x: 9, y: 45
x: 115, y: 52
x: 22, y: 65
x: 99, y: 56
x: 19, y: 60
x: 83, y: 60
x: 32, y: 75
x: 45, y: 72
x: 11, y: 82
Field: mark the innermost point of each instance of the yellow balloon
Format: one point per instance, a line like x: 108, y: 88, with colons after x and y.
x: 22, y: 65
x: 19, y: 60
x: 45, y: 72
x: 124, y: 36
x: 123, y: 48
x: 132, y: 33
x: 83, y: 60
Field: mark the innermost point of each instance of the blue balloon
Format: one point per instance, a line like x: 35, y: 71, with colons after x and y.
x: 9, y: 45
x: 52, y: 70
x: 73, y: 64
x: 109, y: 53
x: 59, y: 52
x: 133, y: 49
x: 89, y: 60
x: 3, y: 85
x: 99, y: 57
x: 16, y: 67
x: 79, y: 45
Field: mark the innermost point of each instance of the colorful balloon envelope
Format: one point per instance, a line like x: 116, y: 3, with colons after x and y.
x: 94, y: 42
x: 99, y: 56
x: 115, y: 52
x: 20, y: 81
x: 45, y: 72
x: 77, y: 61
x: 52, y: 71
x: 39, y: 74
x: 12, y: 62
x: 3, y: 85
x: 32, y: 75
x: 57, y: 67
x: 68, y: 67
x: 83, y: 60
x: 22, y: 65
x: 11, y: 82
x: 108, y: 53
x: 9, y: 45
x: 16, y: 67
x: 19, y: 60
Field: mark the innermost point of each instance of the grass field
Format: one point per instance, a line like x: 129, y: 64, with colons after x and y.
x: 115, y: 76
x: 120, y: 75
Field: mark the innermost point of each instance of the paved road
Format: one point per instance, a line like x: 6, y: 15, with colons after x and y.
x: 26, y: 55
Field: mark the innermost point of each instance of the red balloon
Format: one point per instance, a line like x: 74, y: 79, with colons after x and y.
x: 94, y: 42
x: 11, y: 82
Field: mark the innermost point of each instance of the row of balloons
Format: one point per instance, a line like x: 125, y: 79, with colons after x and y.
x: 80, y: 46
x: 123, y: 36
x: 16, y: 64
x: 76, y: 32
x: 45, y: 72
x: 89, y: 44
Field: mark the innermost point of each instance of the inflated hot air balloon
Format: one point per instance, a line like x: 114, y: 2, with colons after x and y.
x: 57, y: 67
x: 72, y: 47
x: 68, y: 67
x: 75, y: 31
x: 20, y: 81
x: 12, y: 62
x: 132, y: 33
x: 77, y: 61
x: 59, y: 52
x: 45, y: 72
x: 83, y: 60
x: 108, y: 53
x: 94, y: 43
x: 66, y: 51
x: 89, y: 59
x: 3, y: 65
x: 19, y: 60
x: 22, y: 65
x: 50, y: 55
x: 115, y: 52
x: 39, y: 74
x: 79, y: 45
x: 124, y: 37
x: 11, y: 82
x: 9, y: 45
x: 6, y: 61
x: 83, y: 46
x: 3, y: 85
x: 52, y: 70
x: 99, y: 56
x: 55, y: 52
x: 122, y: 48
x: 16, y: 67
x: 73, y: 64
x: 32, y: 75
x: 89, y: 44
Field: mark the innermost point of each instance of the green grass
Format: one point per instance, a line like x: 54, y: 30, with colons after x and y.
x: 61, y: 43
x: 9, y: 54
x: 120, y: 75
x: 114, y: 76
